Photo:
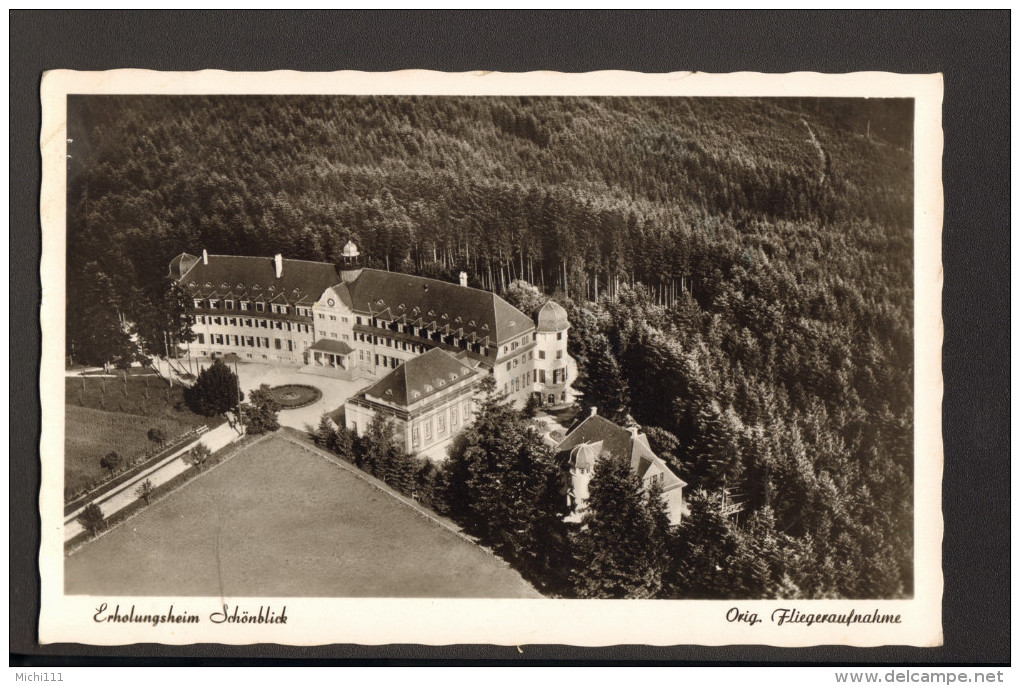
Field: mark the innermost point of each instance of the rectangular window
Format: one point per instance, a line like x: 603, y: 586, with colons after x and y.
x: 415, y: 438
x: 229, y: 304
x: 244, y: 305
x: 333, y: 334
x: 515, y: 364
x: 453, y: 416
x: 508, y: 365
x: 218, y: 321
x: 214, y: 304
x: 559, y: 354
x: 201, y: 339
x: 198, y: 303
x: 428, y: 430
x: 260, y: 307
x: 265, y: 342
x: 279, y: 325
x: 440, y: 425
x: 345, y: 320
x: 279, y: 344
x: 541, y: 376
x: 358, y: 320
x: 332, y: 317
x: 290, y: 346
x: 376, y: 360
x: 559, y: 335
x: 541, y: 354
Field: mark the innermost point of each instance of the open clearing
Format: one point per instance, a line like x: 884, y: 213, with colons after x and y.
x: 277, y: 520
x: 106, y: 413
x: 90, y: 434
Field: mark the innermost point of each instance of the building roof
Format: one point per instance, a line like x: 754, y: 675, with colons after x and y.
x: 420, y: 377
x: 301, y: 281
x: 552, y: 317
x: 326, y: 345
x: 619, y: 443
x: 470, y: 313
x: 438, y: 304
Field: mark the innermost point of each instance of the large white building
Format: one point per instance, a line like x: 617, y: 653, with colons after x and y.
x: 347, y: 321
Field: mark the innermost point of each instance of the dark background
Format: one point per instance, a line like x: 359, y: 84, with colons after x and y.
x: 970, y: 48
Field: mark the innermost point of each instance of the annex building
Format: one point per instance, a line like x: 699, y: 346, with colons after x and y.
x: 426, y: 342
x: 596, y: 436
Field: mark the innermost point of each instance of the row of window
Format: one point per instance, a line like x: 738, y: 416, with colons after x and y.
x: 518, y: 343
x: 512, y: 364
x: 439, y: 424
x: 254, y: 323
x: 332, y: 318
x: 247, y: 341
x: 423, y: 332
x: 332, y: 334
x: 245, y: 305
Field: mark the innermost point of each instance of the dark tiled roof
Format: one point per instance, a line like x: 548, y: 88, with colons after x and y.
x: 615, y: 439
x: 301, y: 281
x: 620, y: 444
x: 471, y: 313
x: 326, y: 345
x: 440, y: 304
x: 420, y: 377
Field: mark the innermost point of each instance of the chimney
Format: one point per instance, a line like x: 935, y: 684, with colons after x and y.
x: 205, y: 257
x: 633, y: 431
x: 463, y: 279
x: 278, y: 261
x: 594, y: 411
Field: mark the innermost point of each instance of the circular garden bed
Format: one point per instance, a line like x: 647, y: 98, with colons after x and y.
x: 292, y: 396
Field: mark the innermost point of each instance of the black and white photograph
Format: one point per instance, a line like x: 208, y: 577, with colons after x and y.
x: 526, y: 348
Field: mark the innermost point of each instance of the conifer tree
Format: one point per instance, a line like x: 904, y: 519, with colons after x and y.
x: 215, y: 391
x: 621, y: 547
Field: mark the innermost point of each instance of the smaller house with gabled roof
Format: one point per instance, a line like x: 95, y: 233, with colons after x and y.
x: 430, y: 398
x: 595, y: 437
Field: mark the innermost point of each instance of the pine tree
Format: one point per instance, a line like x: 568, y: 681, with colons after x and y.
x: 215, y: 391
x: 502, y: 483
x: 620, y: 548
x: 602, y: 382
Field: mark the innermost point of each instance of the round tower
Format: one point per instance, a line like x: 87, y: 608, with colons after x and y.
x: 351, y: 263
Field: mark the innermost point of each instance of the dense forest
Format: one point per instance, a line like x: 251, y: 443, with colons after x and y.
x: 738, y: 274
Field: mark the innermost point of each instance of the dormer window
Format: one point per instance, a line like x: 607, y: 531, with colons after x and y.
x: 428, y: 388
x: 416, y: 395
x: 441, y: 382
x: 453, y: 376
x: 445, y: 316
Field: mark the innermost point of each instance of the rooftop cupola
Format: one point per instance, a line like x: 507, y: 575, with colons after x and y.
x: 551, y: 317
x: 350, y: 262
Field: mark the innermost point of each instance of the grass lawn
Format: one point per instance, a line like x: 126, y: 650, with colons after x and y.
x: 100, y: 416
x: 279, y: 521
